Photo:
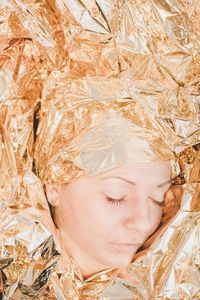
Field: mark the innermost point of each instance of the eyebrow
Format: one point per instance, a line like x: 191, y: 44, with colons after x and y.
x: 133, y: 183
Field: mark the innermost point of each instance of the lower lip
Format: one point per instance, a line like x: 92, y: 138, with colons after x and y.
x: 126, y: 248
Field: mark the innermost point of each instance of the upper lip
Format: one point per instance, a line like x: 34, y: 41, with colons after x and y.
x: 129, y: 243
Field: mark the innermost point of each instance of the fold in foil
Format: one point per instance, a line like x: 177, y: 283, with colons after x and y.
x: 115, y: 54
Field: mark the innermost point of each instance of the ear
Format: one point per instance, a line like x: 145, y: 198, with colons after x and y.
x: 52, y: 192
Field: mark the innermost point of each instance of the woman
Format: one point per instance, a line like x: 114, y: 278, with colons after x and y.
x: 103, y: 220
x: 106, y: 181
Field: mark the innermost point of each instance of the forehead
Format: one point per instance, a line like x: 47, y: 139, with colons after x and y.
x: 149, y: 172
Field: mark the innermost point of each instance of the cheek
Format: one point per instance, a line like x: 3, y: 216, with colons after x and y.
x: 88, y: 214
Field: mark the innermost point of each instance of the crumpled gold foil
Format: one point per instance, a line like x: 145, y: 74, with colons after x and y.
x: 71, y: 58
x: 98, y: 132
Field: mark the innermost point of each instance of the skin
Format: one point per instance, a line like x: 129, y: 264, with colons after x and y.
x: 103, y: 220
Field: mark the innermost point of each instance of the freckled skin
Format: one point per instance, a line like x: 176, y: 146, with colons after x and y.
x: 90, y: 222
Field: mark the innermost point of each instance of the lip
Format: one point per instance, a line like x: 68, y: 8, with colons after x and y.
x: 126, y: 248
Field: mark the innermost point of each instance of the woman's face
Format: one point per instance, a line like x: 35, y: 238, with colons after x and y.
x: 103, y: 220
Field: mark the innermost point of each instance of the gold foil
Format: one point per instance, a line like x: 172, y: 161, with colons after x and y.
x: 134, y: 61
x: 88, y: 136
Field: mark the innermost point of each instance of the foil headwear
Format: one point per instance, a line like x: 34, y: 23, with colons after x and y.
x: 88, y: 136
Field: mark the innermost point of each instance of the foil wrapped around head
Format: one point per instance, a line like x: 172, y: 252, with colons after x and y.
x: 97, y: 69
x: 85, y: 137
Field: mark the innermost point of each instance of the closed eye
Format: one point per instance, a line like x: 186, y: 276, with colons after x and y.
x: 122, y: 200
x: 159, y: 203
x: 115, y: 201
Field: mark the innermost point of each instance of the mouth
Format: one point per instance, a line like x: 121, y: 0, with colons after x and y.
x: 126, y: 248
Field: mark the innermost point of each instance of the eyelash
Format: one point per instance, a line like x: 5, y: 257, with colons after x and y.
x: 161, y: 204
x: 121, y: 200
x: 115, y: 201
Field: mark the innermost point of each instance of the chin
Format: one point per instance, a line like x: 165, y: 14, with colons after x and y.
x: 120, y: 261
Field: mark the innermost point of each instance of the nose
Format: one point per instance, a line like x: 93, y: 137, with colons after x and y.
x: 138, y: 218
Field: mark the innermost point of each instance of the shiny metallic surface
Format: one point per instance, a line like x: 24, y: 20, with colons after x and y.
x: 111, y: 82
